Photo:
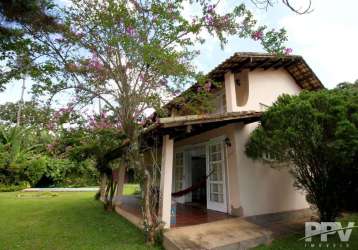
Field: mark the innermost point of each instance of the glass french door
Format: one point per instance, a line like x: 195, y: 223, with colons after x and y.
x: 179, y: 169
x: 216, y: 183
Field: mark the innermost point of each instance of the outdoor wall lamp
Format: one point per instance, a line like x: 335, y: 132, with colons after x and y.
x: 227, y: 142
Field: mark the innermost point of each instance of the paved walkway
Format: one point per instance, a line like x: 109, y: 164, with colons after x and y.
x: 82, y: 189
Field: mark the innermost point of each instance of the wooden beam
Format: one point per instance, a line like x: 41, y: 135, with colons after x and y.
x: 275, y: 64
x: 260, y: 64
x: 236, y: 68
x: 303, y: 77
x: 289, y: 63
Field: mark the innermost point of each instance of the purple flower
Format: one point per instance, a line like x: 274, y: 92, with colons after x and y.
x: 225, y: 19
x: 207, y: 86
x: 257, y: 35
x: 95, y: 63
x: 79, y: 34
x: 209, y: 20
x: 163, y: 82
x: 287, y: 51
x: 130, y: 31
x: 210, y: 8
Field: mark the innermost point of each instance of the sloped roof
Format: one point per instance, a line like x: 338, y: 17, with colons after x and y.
x: 295, y: 65
x: 180, y: 127
x: 177, y: 121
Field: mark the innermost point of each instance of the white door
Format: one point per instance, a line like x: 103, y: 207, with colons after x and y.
x: 216, y: 183
x: 179, y: 174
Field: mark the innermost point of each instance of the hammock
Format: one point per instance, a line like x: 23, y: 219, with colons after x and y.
x: 193, y: 187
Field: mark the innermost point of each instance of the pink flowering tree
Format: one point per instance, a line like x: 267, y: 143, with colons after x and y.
x: 132, y: 56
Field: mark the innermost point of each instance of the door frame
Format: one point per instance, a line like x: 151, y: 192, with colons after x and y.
x: 221, y: 207
x: 187, y: 174
x: 187, y: 180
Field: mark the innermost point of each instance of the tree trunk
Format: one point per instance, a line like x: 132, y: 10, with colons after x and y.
x: 21, y: 102
x: 149, y: 224
x: 102, y: 189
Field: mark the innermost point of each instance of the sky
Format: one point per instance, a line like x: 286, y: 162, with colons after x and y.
x: 327, y: 38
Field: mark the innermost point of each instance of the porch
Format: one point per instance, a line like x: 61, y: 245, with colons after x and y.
x: 186, y: 214
x: 203, y: 169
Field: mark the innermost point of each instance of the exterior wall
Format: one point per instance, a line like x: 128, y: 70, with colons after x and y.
x: 266, y: 86
x: 231, y: 169
x: 263, y: 88
x: 262, y: 189
x: 254, y: 188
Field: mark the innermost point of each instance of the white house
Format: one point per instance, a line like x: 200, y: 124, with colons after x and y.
x: 213, y: 145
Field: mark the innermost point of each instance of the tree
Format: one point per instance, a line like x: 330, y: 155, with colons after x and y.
x: 20, y: 160
x: 317, y: 134
x: 32, y: 115
x: 20, y: 20
x: 99, y: 141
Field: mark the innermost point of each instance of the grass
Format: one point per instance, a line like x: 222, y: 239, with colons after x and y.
x: 70, y: 220
x: 292, y: 242
x: 131, y: 189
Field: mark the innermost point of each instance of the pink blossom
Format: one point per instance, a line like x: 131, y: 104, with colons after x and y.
x: 208, y: 86
x: 225, y: 19
x: 287, y: 51
x: 95, y: 63
x: 79, y: 34
x: 50, y: 147
x: 210, y: 8
x: 209, y: 20
x: 141, y: 77
x: 257, y: 35
x: 130, y: 31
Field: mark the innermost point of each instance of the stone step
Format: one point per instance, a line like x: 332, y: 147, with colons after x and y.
x: 228, y: 234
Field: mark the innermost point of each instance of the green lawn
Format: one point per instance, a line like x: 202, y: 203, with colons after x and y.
x: 130, y: 189
x: 292, y: 242
x: 66, y: 221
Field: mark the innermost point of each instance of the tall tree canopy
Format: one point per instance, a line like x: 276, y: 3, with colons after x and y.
x: 317, y: 133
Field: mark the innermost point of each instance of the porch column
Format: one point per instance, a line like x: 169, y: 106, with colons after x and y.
x: 120, y: 185
x: 166, y: 174
x: 230, y: 92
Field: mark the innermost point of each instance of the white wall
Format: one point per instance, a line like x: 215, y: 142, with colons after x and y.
x: 262, y: 189
x: 264, y: 86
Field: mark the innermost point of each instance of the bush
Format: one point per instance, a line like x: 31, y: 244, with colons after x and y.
x: 318, y: 133
x: 13, y: 188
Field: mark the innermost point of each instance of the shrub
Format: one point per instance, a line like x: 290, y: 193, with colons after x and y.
x: 13, y: 188
x: 318, y: 133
